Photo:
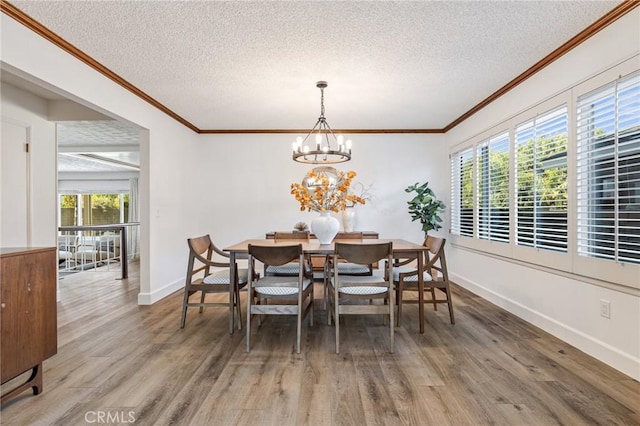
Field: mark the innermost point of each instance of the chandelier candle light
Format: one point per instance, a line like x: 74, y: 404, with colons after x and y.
x: 323, y: 151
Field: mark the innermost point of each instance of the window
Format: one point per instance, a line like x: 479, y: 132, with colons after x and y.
x: 541, y: 181
x: 608, y: 171
x: 493, y: 188
x: 462, y: 193
x: 93, y: 209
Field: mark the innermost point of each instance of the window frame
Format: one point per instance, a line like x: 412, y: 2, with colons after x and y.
x: 606, y: 273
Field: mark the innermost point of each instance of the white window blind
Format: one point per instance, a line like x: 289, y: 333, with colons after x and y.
x: 541, y: 181
x: 492, y: 192
x: 608, y: 171
x: 462, y: 193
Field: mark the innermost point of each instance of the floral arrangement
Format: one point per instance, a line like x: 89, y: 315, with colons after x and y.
x: 361, y: 192
x: 325, y: 189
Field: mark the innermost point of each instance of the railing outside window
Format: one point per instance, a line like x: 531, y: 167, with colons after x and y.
x: 96, y: 247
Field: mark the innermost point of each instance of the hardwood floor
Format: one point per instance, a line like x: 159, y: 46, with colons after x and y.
x: 134, y: 363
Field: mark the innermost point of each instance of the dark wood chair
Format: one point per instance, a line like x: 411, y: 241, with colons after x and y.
x: 435, y: 276
x: 345, y: 268
x: 348, y: 268
x: 203, y: 278
x: 283, y: 290
x: 289, y: 269
x: 364, y: 287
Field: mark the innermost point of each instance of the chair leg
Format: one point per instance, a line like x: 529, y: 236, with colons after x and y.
x: 391, y: 313
x: 399, y: 294
x: 298, y: 328
x: 450, y: 304
x: 184, y: 308
x: 202, y: 301
x: 337, y: 320
x: 325, y: 285
x: 239, y: 307
x: 311, y: 308
x: 328, y: 307
x: 248, y: 325
x: 433, y: 297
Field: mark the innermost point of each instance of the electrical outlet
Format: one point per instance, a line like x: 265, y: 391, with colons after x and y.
x: 605, y: 308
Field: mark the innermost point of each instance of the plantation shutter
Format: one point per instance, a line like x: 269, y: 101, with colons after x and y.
x: 462, y: 193
x: 541, y: 181
x: 492, y: 192
x: 608, y: 171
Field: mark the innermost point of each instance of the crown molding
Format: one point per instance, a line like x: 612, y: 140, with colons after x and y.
x: 616, y: 13
x: 344, y: 131
x: 15, y: 13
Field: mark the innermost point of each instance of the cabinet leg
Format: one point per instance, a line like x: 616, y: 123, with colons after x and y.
x: 34, y: 382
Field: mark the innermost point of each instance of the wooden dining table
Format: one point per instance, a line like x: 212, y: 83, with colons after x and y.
x: 401, y: 249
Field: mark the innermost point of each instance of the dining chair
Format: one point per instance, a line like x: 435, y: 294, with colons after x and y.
x: 348, y: 288
x: 344, y: 268
x: 290, y: 269
x: 201, y: 277
x: 281, y: 289
x: 435, y: 276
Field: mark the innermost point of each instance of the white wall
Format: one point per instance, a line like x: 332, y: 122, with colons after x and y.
x: 241, y: 183
x: 564, y: 306
x: 163, y: 199
x: 31, y: 111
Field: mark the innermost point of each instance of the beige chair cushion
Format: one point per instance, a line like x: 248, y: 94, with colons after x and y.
x: 221, y: 277
x: 288, y: 287
x: 413, y: 278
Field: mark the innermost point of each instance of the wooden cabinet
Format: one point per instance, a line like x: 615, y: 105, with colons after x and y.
x: 28, y: 318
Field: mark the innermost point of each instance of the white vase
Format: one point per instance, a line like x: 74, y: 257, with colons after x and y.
x: 349, y: 219
x: 325, y: 227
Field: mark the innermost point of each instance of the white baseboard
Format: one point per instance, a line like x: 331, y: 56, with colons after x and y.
x: 602, y: 351
x: 153, y: 297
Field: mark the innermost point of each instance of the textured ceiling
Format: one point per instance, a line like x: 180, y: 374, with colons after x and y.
x: 253, y: 65
x: 108, y: 143
x: 99, y: 132
x: 72, y: 163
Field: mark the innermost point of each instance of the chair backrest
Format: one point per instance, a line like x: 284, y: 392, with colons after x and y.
x: 291, y: 236
x: 276, y: 255
x: 348, y: 236
x: 201, y: 250
x: 435, y: 256
x: 364, y: 254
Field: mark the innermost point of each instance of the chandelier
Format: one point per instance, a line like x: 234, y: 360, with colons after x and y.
x: 328, y: 148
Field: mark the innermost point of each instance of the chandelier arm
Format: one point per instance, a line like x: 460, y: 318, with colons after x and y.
x: 327, y: 135
x: 311, y: 131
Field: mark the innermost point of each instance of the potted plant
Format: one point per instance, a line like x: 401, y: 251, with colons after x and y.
x: 301, y: 227
x: 425, y: 207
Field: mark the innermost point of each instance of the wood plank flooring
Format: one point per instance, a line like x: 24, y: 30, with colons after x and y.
x: 135, y: 363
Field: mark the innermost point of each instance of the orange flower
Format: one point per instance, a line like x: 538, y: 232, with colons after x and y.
x: 323, y: 192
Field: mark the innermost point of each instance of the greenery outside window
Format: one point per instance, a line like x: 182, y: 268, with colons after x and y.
x: 541, y: 181
x: 462, y: 215
x: 93, y: 209
x: 608, y: 171
x: 492, y: 192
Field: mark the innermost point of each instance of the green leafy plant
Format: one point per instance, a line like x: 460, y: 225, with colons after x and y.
x: 425, y: 207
